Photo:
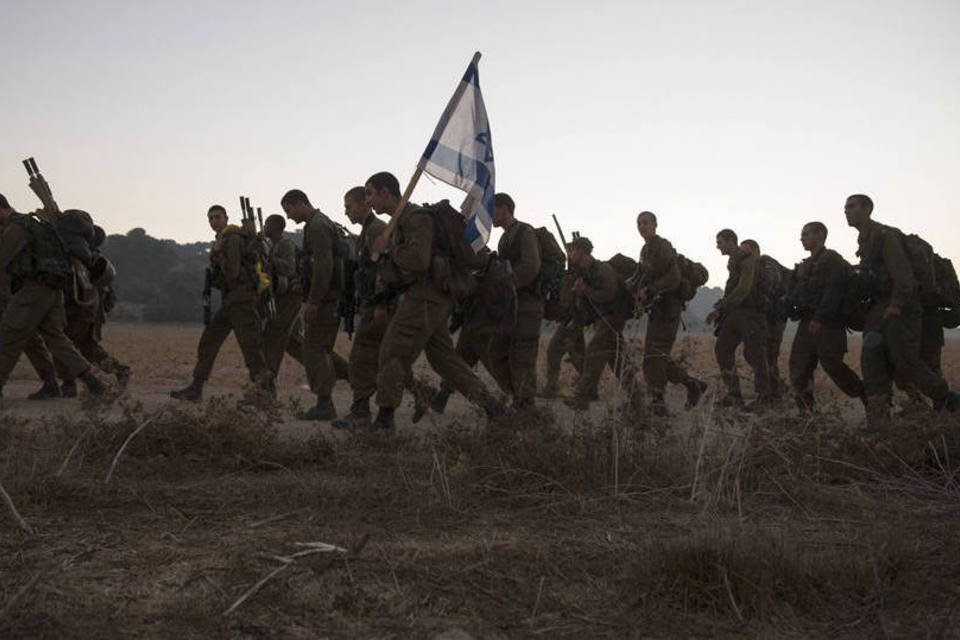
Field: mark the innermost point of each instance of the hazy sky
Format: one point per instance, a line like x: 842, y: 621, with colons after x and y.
x: 757, y: 116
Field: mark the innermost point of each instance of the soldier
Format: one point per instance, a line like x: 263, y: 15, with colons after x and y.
x: 567, y: 338
x: 816, y: 300
x: 513, y: 354
x: 233, y: 268
x: 656, y: 285
x: 321, y: 297
x: 419, y: 323
x: 33, y: 256
x: 740, y: 318
x: 282, y: 333
x: 892, y: 325
x: 774, y: 309
x: 600, y: 297
x: 85, y: 323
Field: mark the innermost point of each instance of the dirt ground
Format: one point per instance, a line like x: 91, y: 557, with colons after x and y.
x: 153, y: 518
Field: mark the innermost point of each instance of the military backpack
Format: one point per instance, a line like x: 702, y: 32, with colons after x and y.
x: 693, y: 275
x: 771, y: 287
x: 454, y: 260
x: 43, y: 259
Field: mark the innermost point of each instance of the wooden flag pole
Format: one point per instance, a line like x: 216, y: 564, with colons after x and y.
x: 415, y: 178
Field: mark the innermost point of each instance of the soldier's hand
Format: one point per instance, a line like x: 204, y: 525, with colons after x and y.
x: 814, y: 326
x: 712, y: 316
x: 380, y: 244
x: 309, y: 313
x: 892, y: 311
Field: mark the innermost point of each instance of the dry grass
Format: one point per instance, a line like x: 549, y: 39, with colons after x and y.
x: 606, y: 524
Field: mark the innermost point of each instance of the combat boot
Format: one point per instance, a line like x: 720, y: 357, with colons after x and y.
x: 878, y: 413
x: 323, y: 411
x: 191, y: 393
x: 93, y: 384
x: 695, y: 389
x: 950, y: 403
x: 123, y: 374
x: 421, y: 403
x: 357, y: 418
x: 68, y: 389
x: 440, y: 399
x: 384, y: 422
x: 50, y: 389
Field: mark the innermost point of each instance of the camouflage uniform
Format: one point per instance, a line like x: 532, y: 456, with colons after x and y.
x: 742, y: 321
x: 513, y: 355
x: 237, y: 312
x: 817, y: 296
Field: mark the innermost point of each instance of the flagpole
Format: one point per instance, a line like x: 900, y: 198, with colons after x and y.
x: 437, y: 132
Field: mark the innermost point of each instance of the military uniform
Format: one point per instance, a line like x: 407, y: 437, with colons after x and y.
x: 891, y: 347
x: 279, y: 335
x: 567, y: 338
x: 85, y: 329
x: 817, y: 296
x: 320, y: 334
x: 660, y: 280
x: 603, y: 302
x: 35, y: 308
x: 419, y: 323
x: 513, y: 355
x: 36, y: 352
x: 365, y: 351
x: 234, y: 275
x: 742, y: 321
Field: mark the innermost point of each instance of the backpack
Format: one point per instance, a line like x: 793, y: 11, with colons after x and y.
x: 947, y: 287
x: 76, y: 229
x: 922, y: 263
x: 693, y: 275
x: 44, y: 259
x: 625, y: 268
x: 771, y: 288
x: 553, y: 262
x: 454, y: 261
x: 495, y: 302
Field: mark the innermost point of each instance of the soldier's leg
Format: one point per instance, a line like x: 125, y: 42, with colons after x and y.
x: 364, y: 355
x: 276, y: 336
x: 523, y: 352
x: 657, y: 343
x: 341, y: 368
x: 212, y: 338
x: 404, y: 339
x: 725, y: 350
x: 600, y: 351
x: 245, y: 322
x: 775, y: 329
x: 61, y: 347
x: 556, y: 348
x: 499, y: 359
x: 876, y: 368
x: 295, y: 340
x: 931, y: 340
x: 577, y: 348
x: 803, y: 364
x: 444, y: 360
x: 831, y: 349
x: 18, y: 325
x: 753, y: 328
x: 319, y: 338
x: 902, y: 336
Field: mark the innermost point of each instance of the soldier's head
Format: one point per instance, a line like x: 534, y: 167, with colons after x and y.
x: 813, y: 236
x: 296, y: 205
x: 647, y: 224
x: 727, y: 242
x: 5, y: 209
x: 274, y: 225
x: 99, y: 235
x: 217, y: 217
x: 503, y: 208
x: 752, y: 247
x: 580, y: 252
x: 355, y: 205
x: 382, y: 192
x: 858, y: 209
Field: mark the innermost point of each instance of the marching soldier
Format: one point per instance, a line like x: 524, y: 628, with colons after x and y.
x: 776, y: 318
x: 282, y: 333
x: 892, y: 325
x: 599, y: 296
x: 33, y: 256
x: 816, y: 301
x: 740, y: 318
x: 419, y: 323
x: 321, y: 296
x: 657, y: 284
x: 513, y: 354
x: 233, y: 266
x: 567, y: 338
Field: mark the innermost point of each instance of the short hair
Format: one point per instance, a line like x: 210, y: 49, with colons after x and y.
x: 3, y: 202
x: 648, y: 213
x: 817, y: 226
x: 503, y: 200
x: 728, y: 235
x: 357, y: 194
x: 753, y: 244
x: 218, y: 208
x: 276, y: 219
x: 385, y: 180
x: 295, y: 196
x: 864, y: 200
x: 583, y: 244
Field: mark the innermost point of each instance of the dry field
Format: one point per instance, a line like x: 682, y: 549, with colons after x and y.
x: 151, y: 518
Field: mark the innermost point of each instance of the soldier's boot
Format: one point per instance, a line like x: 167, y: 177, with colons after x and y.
x: 384, y: 422
x: 123, y: 374
x: 950, y: 403
x: 878, y: 413
x: 441, y: 398
x: 324, y: 411
x: 50, y: 389
x: 805, y: 402
x: 94, y: 385
x: 422, y: 398
x: 68, y: 389
x: 695, y: 389
x: 491, y: 406
x: 357, y: 418
x: 658, y: 406
x: 191, y: 393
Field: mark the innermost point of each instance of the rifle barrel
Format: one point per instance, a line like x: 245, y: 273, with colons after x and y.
x: 33, y: 165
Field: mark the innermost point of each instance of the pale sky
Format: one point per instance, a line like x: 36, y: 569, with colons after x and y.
x: 758, y: 116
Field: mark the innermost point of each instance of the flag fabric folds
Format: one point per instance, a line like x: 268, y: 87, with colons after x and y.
x: 460, y: 153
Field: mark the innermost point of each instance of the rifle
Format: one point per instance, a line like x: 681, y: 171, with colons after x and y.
x: 40, y: 186
x: 265, y: 296
x: 207, y: 286
x: 563, y: 240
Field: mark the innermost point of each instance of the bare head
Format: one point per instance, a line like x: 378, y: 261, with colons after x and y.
x: 217, y: 217
x: 503, y: 208
x: 813, y: 236
x: 382, y: 193
x: 355, y: 205
x: 647, y: 224
x: 580, y: 252
x: 274, y: 225
x: 727, y: 242
x: 296, y: 205
x: 858, y: 210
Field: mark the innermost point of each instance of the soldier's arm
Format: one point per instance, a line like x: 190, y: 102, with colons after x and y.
x: 374, y: 230
x: 284, y: 260
x: 835, y: 279
x: 604, y: 289
x: 321, y: 252
x: 232, y: 259
x: 748, y: 277
x: 13, y: 242
x: 898, y: 266
x: 414, y: 253
x: 527, y: 269
x: 667, y: 270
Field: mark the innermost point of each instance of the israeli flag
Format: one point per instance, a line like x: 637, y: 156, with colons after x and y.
x: 460, y: 153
